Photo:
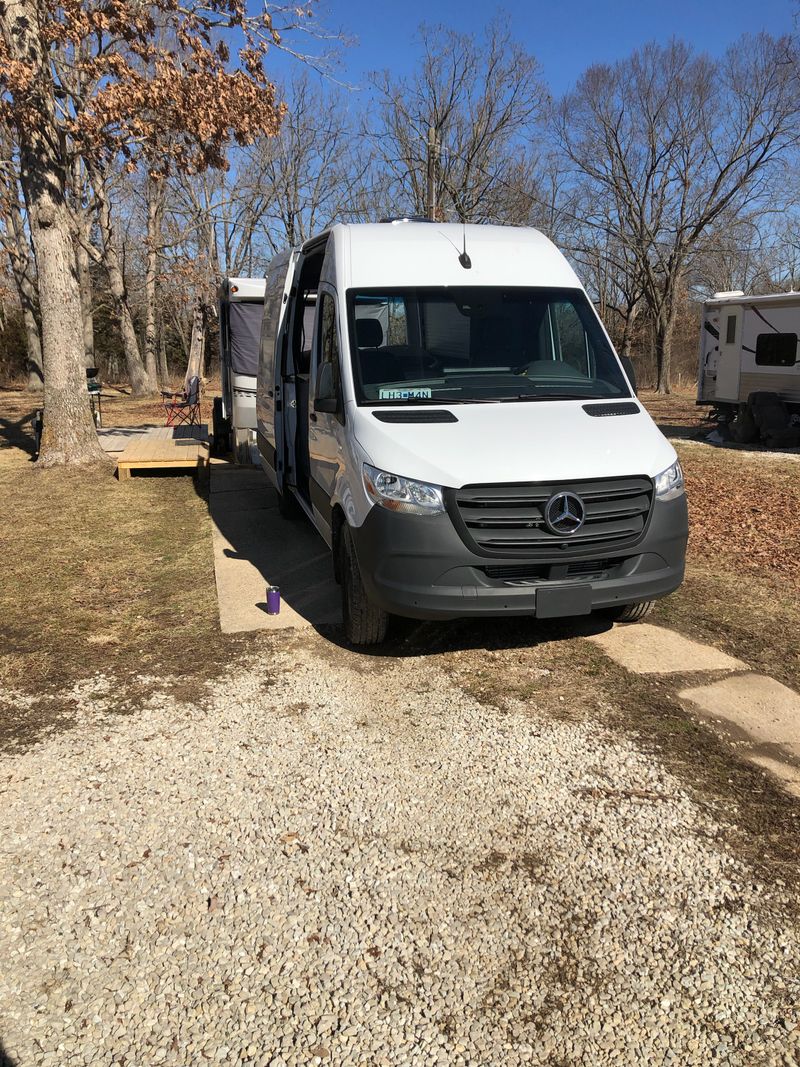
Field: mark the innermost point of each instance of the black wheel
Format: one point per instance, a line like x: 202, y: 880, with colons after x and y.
x: 630, y: 612
x: 219, y: 429
x: 364, y: 622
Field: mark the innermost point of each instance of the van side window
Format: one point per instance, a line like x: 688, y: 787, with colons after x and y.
x: 730, y: 329
x: 329, y: 344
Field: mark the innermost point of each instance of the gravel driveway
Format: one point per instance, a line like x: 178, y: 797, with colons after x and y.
x: 344, y: 860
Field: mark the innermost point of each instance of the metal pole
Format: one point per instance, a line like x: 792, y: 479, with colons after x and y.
x: 432, y: 150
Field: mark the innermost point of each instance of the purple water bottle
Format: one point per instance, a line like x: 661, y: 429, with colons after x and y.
x: 273, y: 600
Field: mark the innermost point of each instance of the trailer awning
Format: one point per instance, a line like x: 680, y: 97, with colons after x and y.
x: 245, y: 332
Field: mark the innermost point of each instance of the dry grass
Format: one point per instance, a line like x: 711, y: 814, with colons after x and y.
x: 100, y: 576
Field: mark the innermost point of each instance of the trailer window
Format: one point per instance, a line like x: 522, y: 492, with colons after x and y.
x: 776, y: 349
x: 730, y: 330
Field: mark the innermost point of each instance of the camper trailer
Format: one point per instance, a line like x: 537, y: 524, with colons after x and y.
x: 749, y: 345
x: 444, y: 405
x: 241, y: 305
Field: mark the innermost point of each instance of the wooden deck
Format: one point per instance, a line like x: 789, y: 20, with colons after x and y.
x: 165, y: 448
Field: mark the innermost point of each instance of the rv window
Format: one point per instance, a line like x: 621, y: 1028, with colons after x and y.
x: 776, y: 349
x: 730, y: 330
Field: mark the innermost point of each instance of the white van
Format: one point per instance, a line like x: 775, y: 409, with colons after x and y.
x: 445, y: 406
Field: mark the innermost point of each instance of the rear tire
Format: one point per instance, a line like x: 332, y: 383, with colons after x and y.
x: 630, y: 612
x: 364, y: 622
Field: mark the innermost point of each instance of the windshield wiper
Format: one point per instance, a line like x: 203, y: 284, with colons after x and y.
x: 554, y: 396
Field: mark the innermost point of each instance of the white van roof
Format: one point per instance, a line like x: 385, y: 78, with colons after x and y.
x: 370, y: 255
x: 243, y: 288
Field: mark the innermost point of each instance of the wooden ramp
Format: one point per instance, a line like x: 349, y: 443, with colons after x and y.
x: 165, y: 448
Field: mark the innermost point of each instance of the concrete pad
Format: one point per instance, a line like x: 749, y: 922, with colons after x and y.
x: 646, y: 649
x: 762, y: 708
x: 788, y: 774
x: 254, y: 546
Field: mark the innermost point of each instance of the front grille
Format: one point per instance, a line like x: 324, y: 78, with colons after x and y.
x: 508, y: 520
x: 514, y: 573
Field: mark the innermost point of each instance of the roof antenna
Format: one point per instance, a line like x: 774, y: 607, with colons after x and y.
x: 463, y: 258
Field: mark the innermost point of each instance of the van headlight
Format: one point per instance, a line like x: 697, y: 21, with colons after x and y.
x: 669, y: 483
x: 402, y: 494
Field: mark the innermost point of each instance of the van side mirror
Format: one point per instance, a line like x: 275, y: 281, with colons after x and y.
x: 627, y: 366
x: 326, y: 399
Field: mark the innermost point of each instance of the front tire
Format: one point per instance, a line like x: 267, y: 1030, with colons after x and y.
x: 630, y: 612
x: 364, y: 622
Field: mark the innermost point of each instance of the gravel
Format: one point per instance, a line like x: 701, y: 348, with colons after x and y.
x: 330, y: 864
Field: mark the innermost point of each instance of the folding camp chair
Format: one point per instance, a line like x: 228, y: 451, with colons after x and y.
x: 183, y: 406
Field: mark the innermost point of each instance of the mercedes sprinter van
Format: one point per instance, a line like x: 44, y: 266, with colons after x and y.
x: 445, y: 406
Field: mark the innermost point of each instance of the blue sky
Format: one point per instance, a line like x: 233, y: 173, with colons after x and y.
x: 565, y: 37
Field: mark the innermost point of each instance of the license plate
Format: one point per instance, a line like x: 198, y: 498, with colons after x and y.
x: 562, y: 601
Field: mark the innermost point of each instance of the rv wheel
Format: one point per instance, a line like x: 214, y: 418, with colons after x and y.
x: 364, y: 623
x: 629, y: 612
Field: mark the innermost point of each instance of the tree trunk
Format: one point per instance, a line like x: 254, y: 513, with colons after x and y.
x: 155, y: 211
x: 627, y: 331
x: 87, y: 301
x: 163, y: 367
x: 83, y: 226
x: 664, y: 328
x: 142, y: 383
x: 20, y: 256
x: 69, y: 435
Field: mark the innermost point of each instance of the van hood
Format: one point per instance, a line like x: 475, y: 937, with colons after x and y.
x: 554, y: 440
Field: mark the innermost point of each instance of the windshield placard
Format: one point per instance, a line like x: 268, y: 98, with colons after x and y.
x: 416, y: 393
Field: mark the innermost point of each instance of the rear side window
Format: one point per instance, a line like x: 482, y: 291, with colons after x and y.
x: 776, y: 349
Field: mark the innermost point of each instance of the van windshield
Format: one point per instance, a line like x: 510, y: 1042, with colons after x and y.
x: 478, y: 344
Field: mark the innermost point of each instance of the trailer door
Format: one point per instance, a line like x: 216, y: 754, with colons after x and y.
x: 729, y: 364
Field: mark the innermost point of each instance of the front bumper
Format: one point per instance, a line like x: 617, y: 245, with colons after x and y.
x: 418, y: 566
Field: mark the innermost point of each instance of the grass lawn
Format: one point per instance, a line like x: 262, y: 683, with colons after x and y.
x: 100, y: 575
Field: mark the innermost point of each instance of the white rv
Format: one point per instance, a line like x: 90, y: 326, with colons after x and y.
x: 241, y: 305
x: 444, y: 405
x: 749, y: 344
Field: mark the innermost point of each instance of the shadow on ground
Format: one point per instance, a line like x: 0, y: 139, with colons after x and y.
x: 18, y: 434
x: 5, y: 1059
x: 291, y: 555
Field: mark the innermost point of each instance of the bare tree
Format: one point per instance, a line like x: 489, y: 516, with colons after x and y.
x: 15, y: 243
x: 478, y: 97
x: 672, y: 142
x: 315, y: 170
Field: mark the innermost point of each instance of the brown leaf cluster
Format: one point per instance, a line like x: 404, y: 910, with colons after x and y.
x: 745, y: 514
x: 154, y: 81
